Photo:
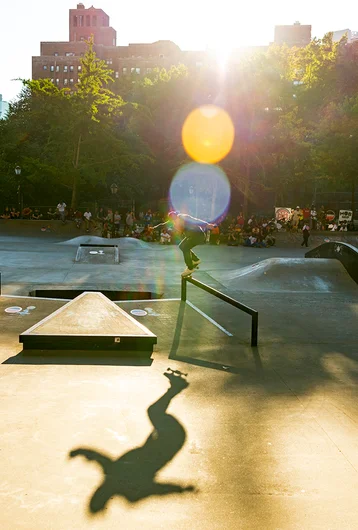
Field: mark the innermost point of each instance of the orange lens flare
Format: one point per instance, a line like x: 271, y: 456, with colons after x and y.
x: 208, y: 134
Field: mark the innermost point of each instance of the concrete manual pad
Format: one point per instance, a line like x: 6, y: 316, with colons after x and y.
x: 90, y: 321
x: 97, y: 254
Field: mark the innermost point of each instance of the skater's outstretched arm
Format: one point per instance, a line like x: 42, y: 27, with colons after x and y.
x: 168, y: 223
x: 195, y: 220
x: 102, y: 460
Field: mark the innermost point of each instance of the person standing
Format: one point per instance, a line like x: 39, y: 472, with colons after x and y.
x: 306, y: 235
x: 88, y: 219
x: 61, y: 208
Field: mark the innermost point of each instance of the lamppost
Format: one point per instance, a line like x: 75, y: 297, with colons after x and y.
x: 114, y: 189
x: 19, y: 190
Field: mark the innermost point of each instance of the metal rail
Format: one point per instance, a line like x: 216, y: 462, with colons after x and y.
x: 254, y: 314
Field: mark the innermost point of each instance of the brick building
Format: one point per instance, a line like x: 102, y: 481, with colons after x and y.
x: 61, y: 61
x: 295, y: 35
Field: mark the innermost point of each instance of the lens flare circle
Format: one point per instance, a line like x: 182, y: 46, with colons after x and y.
x: 208, y: 134
x: 200, y: 190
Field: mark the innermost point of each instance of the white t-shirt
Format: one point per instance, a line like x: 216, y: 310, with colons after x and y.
x: 61, y: 206
x: 87, y: 215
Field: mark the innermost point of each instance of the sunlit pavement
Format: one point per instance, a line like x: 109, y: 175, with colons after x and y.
x: 261, y: 438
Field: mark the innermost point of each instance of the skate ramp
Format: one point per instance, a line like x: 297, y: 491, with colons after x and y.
x: 343, y: 252
x: 123, y: 242
x: 292, y: 275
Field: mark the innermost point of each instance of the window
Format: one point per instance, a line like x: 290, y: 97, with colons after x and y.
x: 94, y: 20
x: 132, y: 70
x: 117, y: 75
x: 57, y: 68
x: 199, y: 64
x: 52, y: 80
x: 78, y: 80
x: 71, y: 68
x: 124, y: 70
x: 149, y: 70
x: 71, y: 81
x: 65, y: 69
x: 65, y: 81
x: 75, y: 21
x: 80, y: 20
x: 57, y: 81
x: 137, y: 70
x: 45, y: 67
x: 79, y: 68
x: 161, y: 56
x: 52, y: 68
x: 56, y: 54
x: 88, y: 20
x: 69, y: 54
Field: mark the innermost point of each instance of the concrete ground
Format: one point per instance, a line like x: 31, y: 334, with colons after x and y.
x: 261, y: 437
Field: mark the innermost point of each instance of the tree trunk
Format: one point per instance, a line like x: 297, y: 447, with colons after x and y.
x: 75, y: 176
x: 353, y: 205
x: 246, y: 190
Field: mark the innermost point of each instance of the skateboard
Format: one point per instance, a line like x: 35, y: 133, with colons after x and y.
x: 196, y: 267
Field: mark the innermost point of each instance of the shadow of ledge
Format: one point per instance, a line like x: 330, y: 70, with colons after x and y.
x: 81, y: 357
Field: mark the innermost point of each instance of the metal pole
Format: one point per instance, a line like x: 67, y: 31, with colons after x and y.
x: 183, y: 290
x: 254, y: 329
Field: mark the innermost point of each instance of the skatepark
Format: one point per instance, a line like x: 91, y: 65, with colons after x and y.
x: 257, y: 437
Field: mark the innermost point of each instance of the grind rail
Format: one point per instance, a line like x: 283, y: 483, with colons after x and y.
x: 254, y: 314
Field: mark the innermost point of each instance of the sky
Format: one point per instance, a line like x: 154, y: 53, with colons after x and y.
x: 191, y: 24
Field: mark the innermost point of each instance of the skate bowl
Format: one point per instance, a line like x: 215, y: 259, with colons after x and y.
x: 292, y: 275
x: 345, y: 253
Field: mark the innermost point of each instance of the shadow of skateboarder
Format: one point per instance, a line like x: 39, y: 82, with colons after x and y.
x: 132, y: 476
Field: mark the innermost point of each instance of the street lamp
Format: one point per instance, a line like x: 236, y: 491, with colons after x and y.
x: 114, y: 190
x: 18, y: 173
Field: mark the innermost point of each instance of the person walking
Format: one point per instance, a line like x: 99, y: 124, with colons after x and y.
x: 306, y: 235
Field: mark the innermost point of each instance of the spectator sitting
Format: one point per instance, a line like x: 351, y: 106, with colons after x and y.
x: 165, y: 238
x: 26, y: 212
x: 6, y: 214
x: 14, y: 214
x: 136, y: 232
x: 233, y: 236
x: 78, y: 218
x: 36, y: 216
x: 147, y: 234
x: 51, y: 214
x: 215, y: 236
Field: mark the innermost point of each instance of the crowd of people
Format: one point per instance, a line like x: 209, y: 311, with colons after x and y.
x: 253, y: 231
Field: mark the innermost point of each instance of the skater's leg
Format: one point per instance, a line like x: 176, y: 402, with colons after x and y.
x: 185, y: 247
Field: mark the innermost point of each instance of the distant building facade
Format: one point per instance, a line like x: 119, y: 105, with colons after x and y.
x: 61, y: 61
x: 296, y: 35
x: 4, y: 107
x: 351, y: 35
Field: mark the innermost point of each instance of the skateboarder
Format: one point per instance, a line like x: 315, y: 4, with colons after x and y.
x: 193, y: 232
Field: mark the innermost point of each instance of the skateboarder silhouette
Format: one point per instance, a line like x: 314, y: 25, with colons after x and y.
x: 193, y: 231
x: 132, y: 476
